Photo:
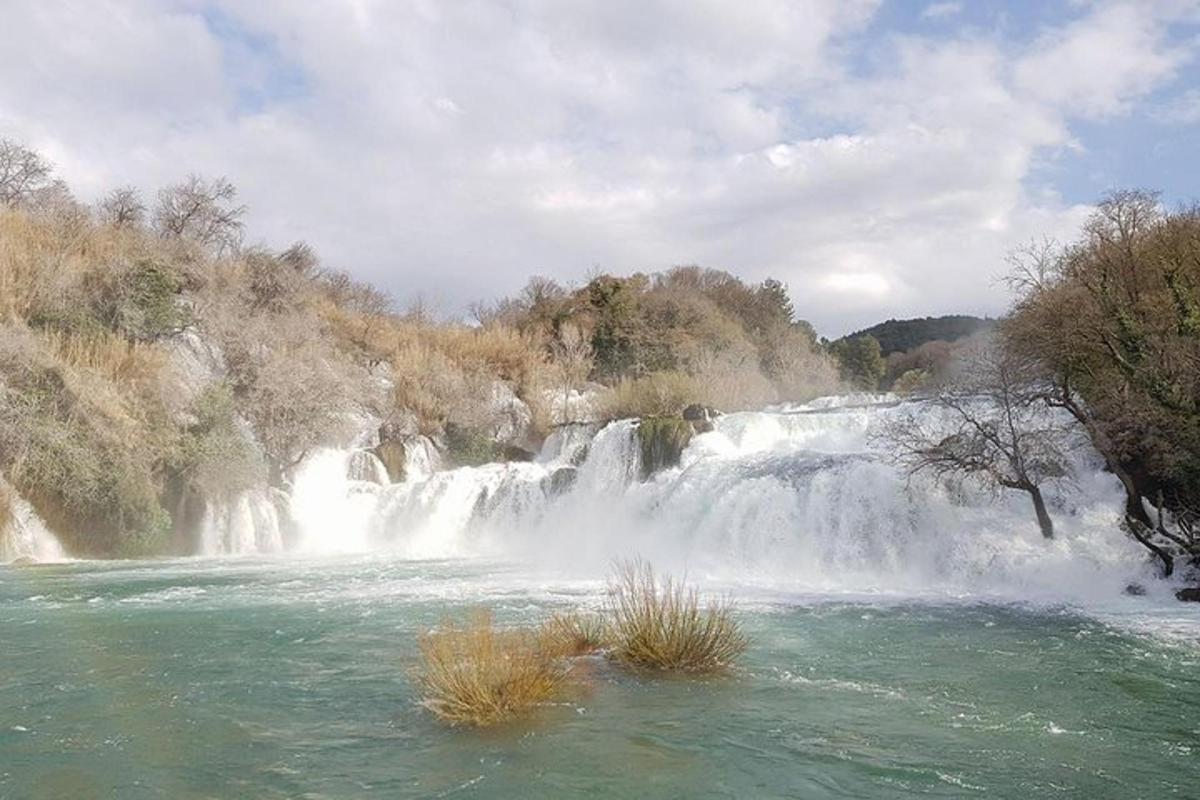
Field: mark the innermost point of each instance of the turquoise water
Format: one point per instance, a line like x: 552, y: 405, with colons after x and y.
x: 273, y: 679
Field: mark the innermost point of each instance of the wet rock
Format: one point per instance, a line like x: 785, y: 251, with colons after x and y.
x: 511, y: 452
x: 1191, y: 594
x: 696, y: 413
x: 701, y: 417
x: 1134, y: 590
x: 393, y: 455
x: 364, y: 465
x: 562, y: 479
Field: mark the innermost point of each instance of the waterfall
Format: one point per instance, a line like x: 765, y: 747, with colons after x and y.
x: 795, y: 495
x: 246, y: 523
x: 24, y: 537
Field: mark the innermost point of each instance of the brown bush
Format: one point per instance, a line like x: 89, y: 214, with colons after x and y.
x: 662, y: 625
x: 657, y: 394
x: 575, y: 633
x: 477, y: 674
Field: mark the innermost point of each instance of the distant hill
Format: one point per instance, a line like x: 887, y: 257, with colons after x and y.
x: 899, y: 335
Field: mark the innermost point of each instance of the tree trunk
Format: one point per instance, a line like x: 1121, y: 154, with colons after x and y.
x: 1043, y: 516
x: 1144, y: 535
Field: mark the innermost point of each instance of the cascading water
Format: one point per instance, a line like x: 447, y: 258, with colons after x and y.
x: 25, y: 536
x: 246, y: 523
x: 798, y: 496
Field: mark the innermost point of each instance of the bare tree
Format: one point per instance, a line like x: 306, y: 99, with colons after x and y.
x: 572, y: 354
x: 22, y: 173
x: 202, y: 211
x: 122, y: 207
x: 994, y: 425
x: 301, y: 257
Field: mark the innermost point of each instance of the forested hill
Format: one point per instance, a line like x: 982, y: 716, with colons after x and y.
x: 901, y: 335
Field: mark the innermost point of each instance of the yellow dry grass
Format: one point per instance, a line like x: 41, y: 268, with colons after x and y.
x: 663, y: 625
x: 653, y: 395
x: 476, y: 674
x: 38, y: 256
x: 575, y: 633
x: 107, y: 354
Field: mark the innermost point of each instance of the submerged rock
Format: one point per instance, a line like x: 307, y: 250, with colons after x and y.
x: 1134, y: 590
x: 1191, y: 594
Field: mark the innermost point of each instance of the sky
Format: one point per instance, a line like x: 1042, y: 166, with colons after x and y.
x: 878, y: 156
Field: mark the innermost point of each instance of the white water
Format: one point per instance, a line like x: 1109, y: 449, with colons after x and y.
x: 796, y: 499
x: 26, y: 537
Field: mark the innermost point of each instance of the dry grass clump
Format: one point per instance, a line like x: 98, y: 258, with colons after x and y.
x: 575, y: 633
x: 659, y: 394
x: 108, y: 354
x: 476, y: 674
x: 662, y: 625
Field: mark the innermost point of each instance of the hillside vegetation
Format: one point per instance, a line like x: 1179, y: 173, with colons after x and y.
x: 152, y: 364
x: 902, y: 335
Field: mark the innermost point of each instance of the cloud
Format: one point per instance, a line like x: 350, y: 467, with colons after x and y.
x: 452, y: 150
x: 1097, y: 65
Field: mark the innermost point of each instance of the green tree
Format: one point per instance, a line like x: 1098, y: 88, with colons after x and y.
x: 860, y: 362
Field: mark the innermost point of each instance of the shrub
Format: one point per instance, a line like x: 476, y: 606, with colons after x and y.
x: 575, y: 633
x: 468, y: 447
x: 81, y: 451
x: 662, y: 442
x: 475, y: 674
x: 662, y: 625
x: 656, y: 394
x: 148, y: 305
x: 216, y: 457
x: 126, y: 363
x: 6, y: 509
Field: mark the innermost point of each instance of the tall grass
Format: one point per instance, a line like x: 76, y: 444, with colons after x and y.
x: 663, y: 625
x: 108, y: 354
x: 575, y: 633
x: 476, y: 674
x: 659, y: 394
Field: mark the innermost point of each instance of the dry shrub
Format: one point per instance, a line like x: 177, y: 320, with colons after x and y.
x: 6, y: 508
x: 82, y: 451
x: 45, y: 262
x: 575, y: 633
x: 107, y: 354
x: 659, y: 394
x: 476, y: 674
x: 662, y: 625
x: 731, y: 381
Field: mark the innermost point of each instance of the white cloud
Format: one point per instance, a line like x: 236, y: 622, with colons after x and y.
x: 1097, y: 65
x: 454, y: 149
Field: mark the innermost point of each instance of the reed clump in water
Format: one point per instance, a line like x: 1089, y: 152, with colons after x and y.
x: 477, y: 674
x: 662, y: 624
x: 575, y: 633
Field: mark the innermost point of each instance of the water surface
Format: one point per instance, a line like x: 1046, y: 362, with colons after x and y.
x: 284, y: 678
